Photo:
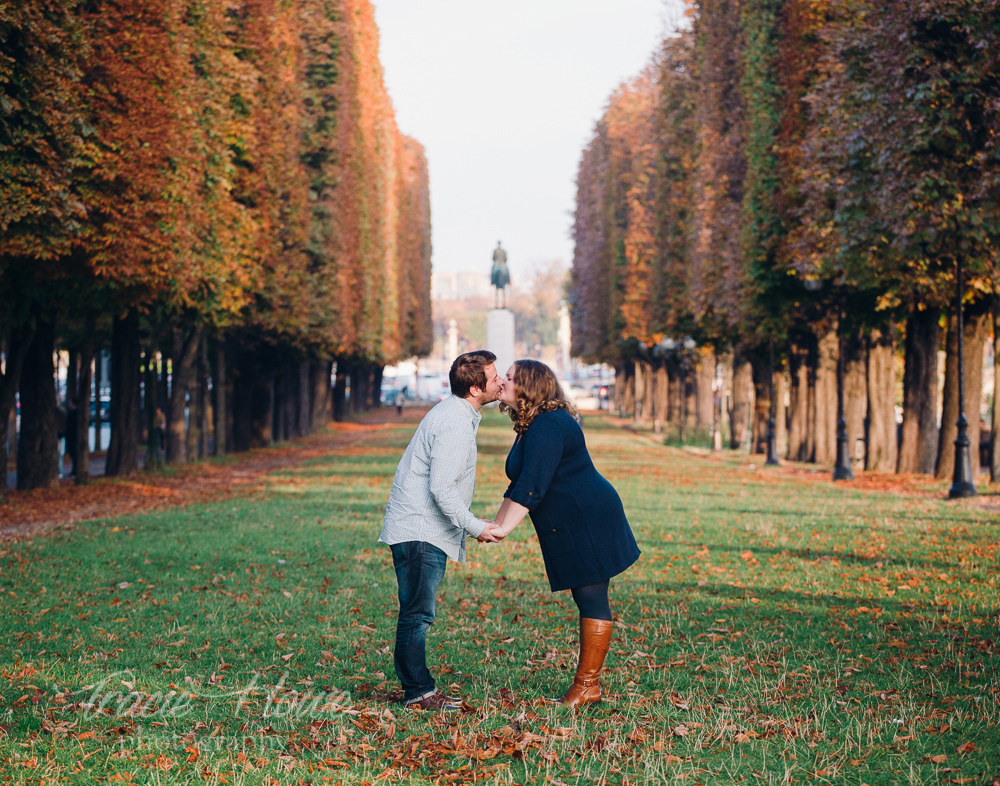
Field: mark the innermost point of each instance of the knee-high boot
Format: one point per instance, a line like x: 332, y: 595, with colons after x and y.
x: 595, y: 640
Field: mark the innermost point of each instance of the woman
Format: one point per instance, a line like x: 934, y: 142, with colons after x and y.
x: 578, y: 515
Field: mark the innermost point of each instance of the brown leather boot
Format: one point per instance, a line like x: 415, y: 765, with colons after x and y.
x: 595, y: 640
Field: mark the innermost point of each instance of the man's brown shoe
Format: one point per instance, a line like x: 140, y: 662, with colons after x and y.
x: 435, y: 701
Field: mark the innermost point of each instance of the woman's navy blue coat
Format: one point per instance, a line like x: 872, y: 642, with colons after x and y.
x: 578, y: 515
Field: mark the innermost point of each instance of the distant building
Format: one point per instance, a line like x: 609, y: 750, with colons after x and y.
x: 459, y: 286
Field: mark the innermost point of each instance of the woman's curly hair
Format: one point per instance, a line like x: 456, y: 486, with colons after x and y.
x: 537, y: 391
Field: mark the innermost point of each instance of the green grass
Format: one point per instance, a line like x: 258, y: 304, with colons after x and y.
x: 775, y: 630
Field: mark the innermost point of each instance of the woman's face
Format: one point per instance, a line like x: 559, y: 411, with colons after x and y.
x: 508, y: 390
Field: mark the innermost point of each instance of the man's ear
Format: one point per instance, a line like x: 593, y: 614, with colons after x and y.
x: 475, y: 391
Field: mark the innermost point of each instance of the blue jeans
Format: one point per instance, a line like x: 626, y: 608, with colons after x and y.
x: 419, y: 570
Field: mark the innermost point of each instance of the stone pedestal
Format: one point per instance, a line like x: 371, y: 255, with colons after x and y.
x: 452, y: 341
x: 500, y: 337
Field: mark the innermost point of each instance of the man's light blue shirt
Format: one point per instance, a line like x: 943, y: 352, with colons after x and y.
x: 435, y: 481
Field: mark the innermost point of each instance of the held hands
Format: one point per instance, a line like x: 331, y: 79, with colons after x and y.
x: 492, y: 533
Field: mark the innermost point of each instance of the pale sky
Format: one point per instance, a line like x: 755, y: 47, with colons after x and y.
x: 504, y: 96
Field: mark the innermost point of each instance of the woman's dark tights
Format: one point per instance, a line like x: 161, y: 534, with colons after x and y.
x: 592, y: 600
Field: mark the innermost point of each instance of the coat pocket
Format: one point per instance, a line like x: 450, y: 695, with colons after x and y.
x: 556, y: 539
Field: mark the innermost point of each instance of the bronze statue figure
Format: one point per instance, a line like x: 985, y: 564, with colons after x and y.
x: 500, y: 277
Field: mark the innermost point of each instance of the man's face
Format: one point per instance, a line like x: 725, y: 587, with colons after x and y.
x: 492, y: 385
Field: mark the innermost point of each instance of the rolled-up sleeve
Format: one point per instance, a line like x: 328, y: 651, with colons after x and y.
x: 447, y: 464
x: 543, y: 447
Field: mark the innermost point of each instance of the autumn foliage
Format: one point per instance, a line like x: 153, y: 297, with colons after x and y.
x: 205, y: 175
x: 802, y: 174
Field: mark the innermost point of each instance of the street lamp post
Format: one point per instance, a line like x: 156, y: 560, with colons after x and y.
x: 772, y: 439
x: 961, y: 484
x: 842, y: 470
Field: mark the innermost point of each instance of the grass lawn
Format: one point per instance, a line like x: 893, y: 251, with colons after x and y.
x: 777, y: 629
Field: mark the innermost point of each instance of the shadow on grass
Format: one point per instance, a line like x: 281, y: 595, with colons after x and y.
x: 811, y: 555
x: 795, y: 599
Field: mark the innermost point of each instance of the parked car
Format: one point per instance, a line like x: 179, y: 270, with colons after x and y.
x: 433, y: 387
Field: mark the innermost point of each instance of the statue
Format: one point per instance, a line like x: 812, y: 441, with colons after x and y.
x: 500, y: 277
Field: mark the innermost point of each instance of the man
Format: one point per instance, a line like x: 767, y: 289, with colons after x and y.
x: 427, y: 519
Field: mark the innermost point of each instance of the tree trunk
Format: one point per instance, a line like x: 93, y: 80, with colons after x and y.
x: 153, y: 404
x: 813, y: 372
x: 376, y: 385
x: 919, y: 446
x: 84, y: 383
x: 280, y: 397
x: 292, y: 399
x: 340, y: 391
x: 262, y: 405
x: 364, y: 386
x: 825, y: 418
x: 628, y: 390
x: 194, y: 408
x: 724, y: 403
x: 38, y: 448
x: 974, y: 337
x: 704, y: 381
x: 690, y: 400
x: 945, y: 465
x: 184, y: 351
x: 322, y: 394
x: 881, y: 444
x: 760, y: 368
x: 354, y: 372
x: 995, y: 424
x: 653, y: 384
x: 855, y: 393
x: 976, y: 334
x: 15, y: 349
x: 123, y: 449
x: 675, y: 394
x: 305, y: 403
x: 204, y: 400
x: 72, y: 374
x: 643, y: 405
x: 740, y: 417
x: 780, y: 416
x: 661, y: 396
x: 244, y: 372
x: 798, y: 401
x: 220, y: 389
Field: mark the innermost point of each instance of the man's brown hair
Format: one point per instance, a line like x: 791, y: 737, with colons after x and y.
x: 468, y: 371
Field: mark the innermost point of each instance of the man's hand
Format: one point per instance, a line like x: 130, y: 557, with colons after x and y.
x: 488, y: 533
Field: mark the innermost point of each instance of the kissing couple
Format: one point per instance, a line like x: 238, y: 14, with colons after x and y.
x: 578, y: 516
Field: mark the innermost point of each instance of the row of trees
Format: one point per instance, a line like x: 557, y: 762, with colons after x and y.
x: 802, y: 174
x: 217, y: 190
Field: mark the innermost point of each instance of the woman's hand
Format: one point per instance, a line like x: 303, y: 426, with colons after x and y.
x: 509, y: 516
